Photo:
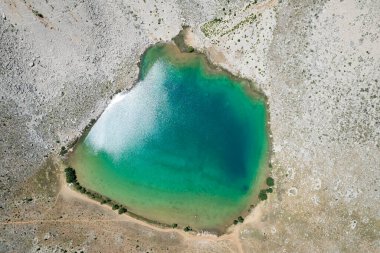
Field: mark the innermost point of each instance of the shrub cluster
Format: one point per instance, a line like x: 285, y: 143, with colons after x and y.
x: 122, y: 210
x: 71, y: 176
x: 187, y: 229
x: 239, y: 219
x: 263, y: 195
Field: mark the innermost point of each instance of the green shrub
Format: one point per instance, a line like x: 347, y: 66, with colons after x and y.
x: 270, y: 181
x: 71, y: 177
x: 115, y: 206
x: 263, y: 195
x: 28, y: 199
x: 236, y: 222
x: 63, y: 151
x: 122, y: 210
x: 240, y: 219
x: 174, y: 225
x: 187, y: 229
x: 37, y: 14
x: 269, y: 190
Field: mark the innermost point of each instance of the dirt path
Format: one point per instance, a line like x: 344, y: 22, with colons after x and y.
x: 58, y: 221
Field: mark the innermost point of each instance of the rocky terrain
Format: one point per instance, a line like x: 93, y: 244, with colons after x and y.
x: 318, y: 62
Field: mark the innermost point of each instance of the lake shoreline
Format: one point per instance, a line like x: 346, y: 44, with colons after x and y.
x: 263, y: 170
x: 66, y: 191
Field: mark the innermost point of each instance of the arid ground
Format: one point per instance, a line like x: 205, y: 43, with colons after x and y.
x: 318, y: 62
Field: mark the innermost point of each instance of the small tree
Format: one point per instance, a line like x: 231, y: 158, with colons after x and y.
x: 187, y: 229
x: 71, y: 176
x: 115, y: 206
x: 263, y: 195
x: 270, y: 181
x: 122, y: 210
x: 104, y: 201
x: 240, y: 219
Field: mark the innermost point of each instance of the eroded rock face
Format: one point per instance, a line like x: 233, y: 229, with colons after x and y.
x: 318, y: 63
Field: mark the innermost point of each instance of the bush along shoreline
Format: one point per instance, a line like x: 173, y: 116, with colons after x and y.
x: 263, y: 195
x: 71, y: 178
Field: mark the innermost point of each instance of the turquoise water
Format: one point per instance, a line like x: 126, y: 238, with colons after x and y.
x: 184, y: 146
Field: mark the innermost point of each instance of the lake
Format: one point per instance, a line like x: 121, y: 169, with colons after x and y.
x: 186, y: 145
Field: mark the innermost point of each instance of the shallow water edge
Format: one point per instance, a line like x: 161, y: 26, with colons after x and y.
x: 249, y: 87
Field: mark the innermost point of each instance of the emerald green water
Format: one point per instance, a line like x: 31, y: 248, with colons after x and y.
x: 184, y: 146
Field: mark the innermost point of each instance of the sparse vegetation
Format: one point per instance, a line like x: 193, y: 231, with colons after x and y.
x: 63, y: 151
x: 209, y: 28
x: 249, y: 20
x: 28, y: 199
x: 218, y: 26
x: 323, y: 128
x: 187, y: 229
x: 72, y: 178
x: 35, y: 12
